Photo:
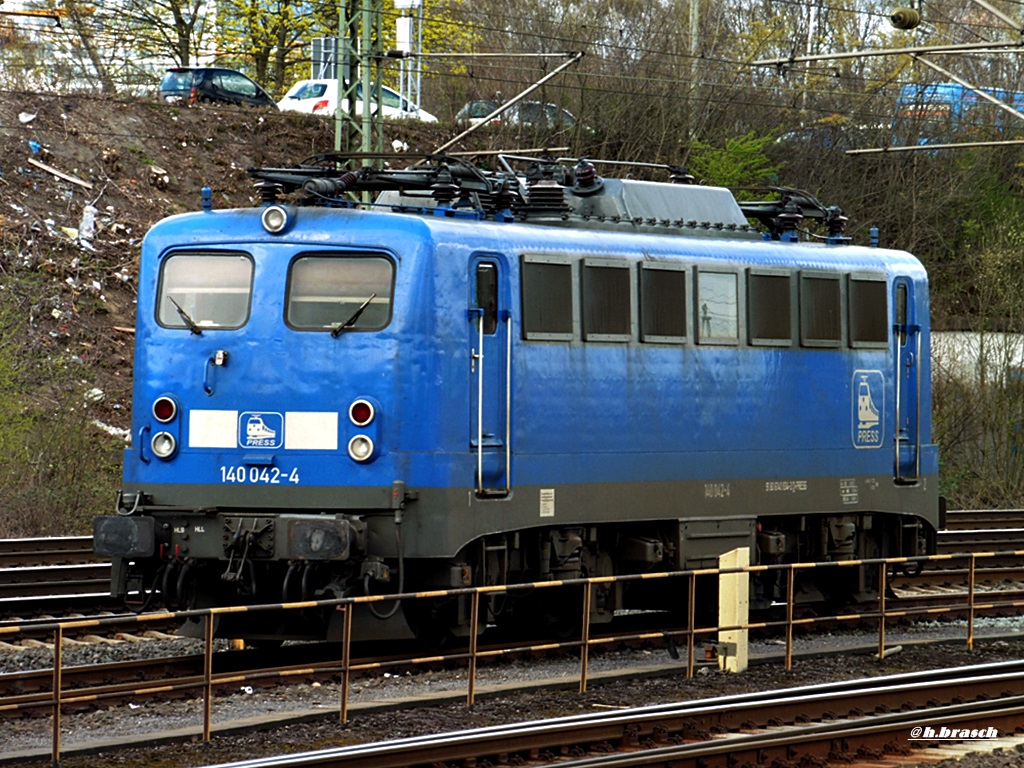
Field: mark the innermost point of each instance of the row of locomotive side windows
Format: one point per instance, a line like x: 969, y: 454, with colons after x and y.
x: 609, y: 300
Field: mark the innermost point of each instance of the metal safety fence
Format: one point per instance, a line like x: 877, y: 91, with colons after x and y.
x: 968, y: 603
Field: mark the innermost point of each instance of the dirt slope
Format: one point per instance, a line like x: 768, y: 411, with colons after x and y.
x: 67, y: 298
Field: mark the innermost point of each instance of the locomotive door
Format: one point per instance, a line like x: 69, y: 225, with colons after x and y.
x: 491, y: 378
x: 907, y: 346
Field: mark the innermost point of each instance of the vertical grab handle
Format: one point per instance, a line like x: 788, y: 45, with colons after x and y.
x: 917, y: 437
x: 217, y: 360
x: 508, y: 400
x: 142, y: 444
x: 899, y: 378
x: 476, y: 314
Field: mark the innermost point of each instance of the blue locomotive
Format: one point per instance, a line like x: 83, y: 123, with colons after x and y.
x: 504, y: 376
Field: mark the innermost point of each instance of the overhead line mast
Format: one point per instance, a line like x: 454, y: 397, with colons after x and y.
x: 357, y: 70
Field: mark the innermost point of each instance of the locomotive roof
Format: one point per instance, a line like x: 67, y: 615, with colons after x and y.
x: 561, y: 192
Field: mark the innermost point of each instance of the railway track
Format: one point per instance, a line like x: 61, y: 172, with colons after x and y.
x: 977, y: 519
x: 58, y: 574
x: 848, y: 722
x: 980, y: 540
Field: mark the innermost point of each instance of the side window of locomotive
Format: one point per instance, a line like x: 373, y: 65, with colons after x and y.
x: 487, y: 295
x: 200, y: 291
x: 717, y: 308
x: 664, y: 302
x: 607, y: 301
x: 869, y: 312
x: 770, y: 303
x: 547, y: 293
x: 821, y: 321
x: 339, y: 293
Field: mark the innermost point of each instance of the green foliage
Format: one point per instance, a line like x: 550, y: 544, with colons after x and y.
x: 269, y: 35
x: 739, y: 162
x: 273, y: 38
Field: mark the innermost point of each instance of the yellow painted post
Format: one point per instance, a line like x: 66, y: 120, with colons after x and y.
x: 733, y: 610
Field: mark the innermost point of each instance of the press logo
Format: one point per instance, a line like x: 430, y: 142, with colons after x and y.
x: 946, y: 733
x: 260, y: 430
x: 868, y: 409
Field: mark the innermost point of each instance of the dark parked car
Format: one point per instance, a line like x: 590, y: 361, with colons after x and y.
x: 190, y: 85
x: 525, y: 113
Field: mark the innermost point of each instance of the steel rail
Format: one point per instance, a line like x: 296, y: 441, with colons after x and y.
x: 35, y: 551
x: 633, y: 731
x: 974, y: 519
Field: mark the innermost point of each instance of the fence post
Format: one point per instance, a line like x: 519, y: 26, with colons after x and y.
x: 208, y: 678
x: 58, y: 645
x: 346, y: 651
x: 790, y: 579
x: 474, y: 617
x: 691, y: 612
x: 585, y: 648
x: 881, y: 610
x: 970, y: 603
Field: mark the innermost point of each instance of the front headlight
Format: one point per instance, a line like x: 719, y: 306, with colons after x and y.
x: 163, y: 445
x: 360, y: 448
x: 276, y: 219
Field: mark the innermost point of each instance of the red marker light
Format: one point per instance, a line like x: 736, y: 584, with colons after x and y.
x: 361, y: 413
x: 164, y: 409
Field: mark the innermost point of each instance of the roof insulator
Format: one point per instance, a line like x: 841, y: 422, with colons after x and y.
x: 835, y: 220
x: 444, y: 189
x: 268, y: 192
x: 789, y: 219
x: 586, y: 181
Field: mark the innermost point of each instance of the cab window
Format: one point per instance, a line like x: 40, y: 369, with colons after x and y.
x: 200, y: 291
x: 339, y: 292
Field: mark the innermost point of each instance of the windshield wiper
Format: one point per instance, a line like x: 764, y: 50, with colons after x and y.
x: 355, y: 316
x: 189, y: 322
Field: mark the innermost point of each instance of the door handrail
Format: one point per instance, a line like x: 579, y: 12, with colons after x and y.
x: 478, y: 358
x: 899, y: 475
